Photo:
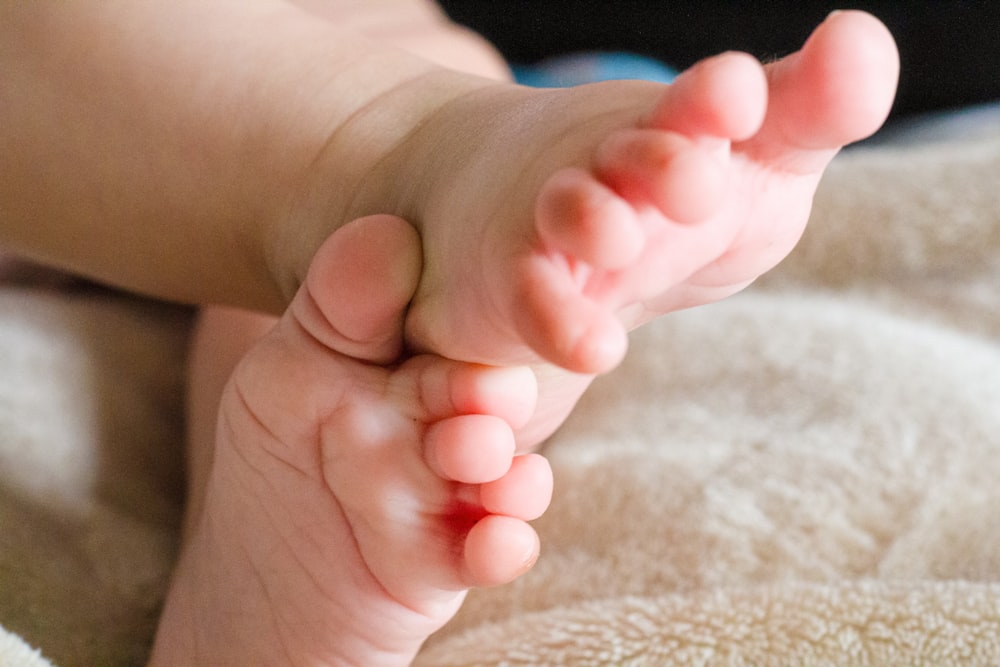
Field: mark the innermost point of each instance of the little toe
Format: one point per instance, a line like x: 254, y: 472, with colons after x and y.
x: 471, y: 449
x: 569, y: 319
x: 499, y: 549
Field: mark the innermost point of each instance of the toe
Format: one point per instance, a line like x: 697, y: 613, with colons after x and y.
x: 447, y: 388
x: 838, y: 89
x: 564, y: 325
x: 581, y: 218
x: 471, y: 449
x: 722, y: 97
x: 498, y: 550
x: 359, y: 283
x: 524, y: 492
x: 667, y: 170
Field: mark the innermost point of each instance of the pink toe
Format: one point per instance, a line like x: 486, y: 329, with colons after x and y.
x: 838, y: 89
x: 471, y: 449
x: 358, y: 286
x: 581, y: 218
x: 681, y: 178
x: 524, y: 492
x: 499, y: 549
x: 724, y: 97
x: 448, y: 388
x: 565, y: 326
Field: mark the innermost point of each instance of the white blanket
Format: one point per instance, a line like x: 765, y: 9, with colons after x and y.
x: 803, y: 474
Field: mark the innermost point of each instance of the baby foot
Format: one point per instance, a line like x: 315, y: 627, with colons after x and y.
x: 350, y: 505
x: 671, y: 199
x: 554, y: 221
x: 663, y: 200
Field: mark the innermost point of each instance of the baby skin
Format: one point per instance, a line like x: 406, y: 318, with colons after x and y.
x: 552, y: 222
x: 349, y: 504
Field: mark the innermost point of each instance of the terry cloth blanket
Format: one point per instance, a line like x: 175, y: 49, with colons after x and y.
x: 804, y: 474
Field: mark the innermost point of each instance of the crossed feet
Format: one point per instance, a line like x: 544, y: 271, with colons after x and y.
x: 350, y: 504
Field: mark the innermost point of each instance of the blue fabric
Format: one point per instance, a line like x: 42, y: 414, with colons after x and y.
x: 578, y: 69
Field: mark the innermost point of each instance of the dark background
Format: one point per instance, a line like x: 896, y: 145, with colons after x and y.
x: 950, y: 50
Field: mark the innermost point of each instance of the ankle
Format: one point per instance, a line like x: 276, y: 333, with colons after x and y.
x: 369, y: 161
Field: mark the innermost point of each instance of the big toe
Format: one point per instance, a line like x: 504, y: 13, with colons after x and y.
x: 838, y: 89
x: 358, y: 287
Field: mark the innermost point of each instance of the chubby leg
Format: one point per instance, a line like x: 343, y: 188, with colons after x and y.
x: 346, y: 505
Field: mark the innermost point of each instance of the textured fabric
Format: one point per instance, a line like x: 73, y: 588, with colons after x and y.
x: 91, y: 481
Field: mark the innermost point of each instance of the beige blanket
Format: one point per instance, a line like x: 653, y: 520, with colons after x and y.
x: 805, y: 474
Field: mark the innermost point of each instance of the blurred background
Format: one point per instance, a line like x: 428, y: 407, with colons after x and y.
x: 950, y: 49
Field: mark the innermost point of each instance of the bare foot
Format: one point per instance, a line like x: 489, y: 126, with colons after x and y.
x: 348, y: 506
x: 554, y: 221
